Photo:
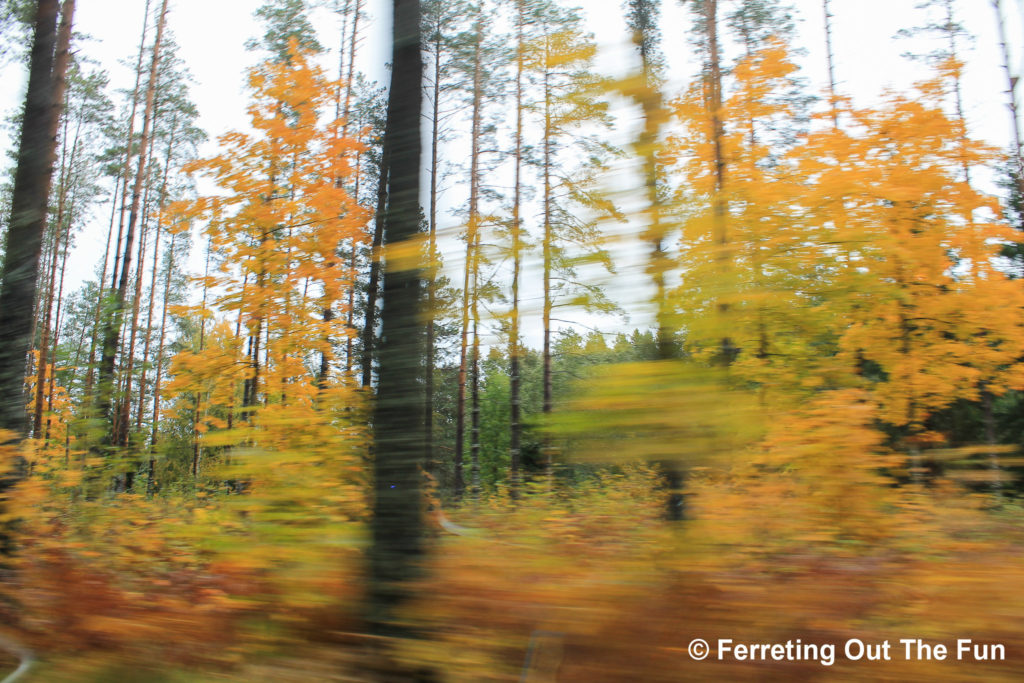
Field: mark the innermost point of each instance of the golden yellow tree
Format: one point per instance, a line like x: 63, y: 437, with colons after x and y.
x: 275, y: 232
x: 907, y: 252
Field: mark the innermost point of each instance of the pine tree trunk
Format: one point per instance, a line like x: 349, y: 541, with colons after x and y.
x: 55, y: 337
x: 515, y: 432
x: 469, y: 281
x: 133, y: 327
x: 353, y: 277
x: 152, y: 280
x: 397, y: 524
x: 158, y: 367
x: 61, y: 234
x: 830, y: 63
x: 1011, y: 96
x: 111, y: 337
x: 33, y: 175
x: 474, y: 390
x: 98, y: 309
x: 547, y: 263
x: 126, y: 170
x: 328, y: 312
x: 370, y: 323
x: 958, y: 98
x: 432, y: 248
x: 719, y: 209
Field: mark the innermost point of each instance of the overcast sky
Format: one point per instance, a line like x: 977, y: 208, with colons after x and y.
x: 212, y: 34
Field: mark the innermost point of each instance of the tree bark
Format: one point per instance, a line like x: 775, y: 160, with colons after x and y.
x: 33, y: 175
x: 958, y: 97
x: 547, y: 249
x: 469, y: 282
x: 61, y: 235
x: 111, y: 337
x: 126, y: 170
x: 428, y: 410
x: 98, y: 309
x: 830, y: 63
x: 1011, y: 95
x: 398, y: 417
x: 133, y: 328
x: 515, y: 431
x: 328, y: 312
x: 57, y: 315
x: 370, y: 323
x: 32, y: 178
x: 152, y: 280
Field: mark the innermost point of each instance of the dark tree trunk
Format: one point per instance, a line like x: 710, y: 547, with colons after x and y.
x: 33, y: 175
x: 513, y: 336
x: 398, y: 418
x: 90, y: 373
x: 547, y: 248
x: 32, y: 179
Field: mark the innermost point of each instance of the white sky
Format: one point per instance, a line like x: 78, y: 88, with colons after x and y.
x: 212, y: 33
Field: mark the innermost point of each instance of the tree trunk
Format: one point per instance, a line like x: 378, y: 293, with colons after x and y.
x: 129, y: 357
x: 469, y: 281
x: 126, y: 170
x: 830, y: 63
x: 398, y: 417
x: 989, y: 420
x: 428, y: 410
x: 546, y: 243
x: 61, y: 235
x: 958, y: 98
x: 55, y: 337
x: 158, y: 367
x: 1011, y: 96
x: 328, y: 312
x: 370, y: 323
x: 353, y: 276
x: 32, y: 177
x: 57, y: 319
x: 515, y: 432
x: 152, y: 280
x: 111, y: 337
x: 97, y: 311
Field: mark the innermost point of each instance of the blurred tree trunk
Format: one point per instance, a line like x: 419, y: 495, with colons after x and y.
x: 515, y: 430
x: 437, y: 44
x: 123, y: 184
x: 61, y: 235
x: 830, y: 63
x: 33, y: 175
x: 370, y: 324
x: 112, y: 328
x: 152, y: 279
x: 399, y: 435
x: 469, y: 282
x: 642, y: 19
x: 1011, y: 95
x: 125, y: 405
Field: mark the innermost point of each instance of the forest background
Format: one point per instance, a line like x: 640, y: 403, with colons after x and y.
x: 712, y: 344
